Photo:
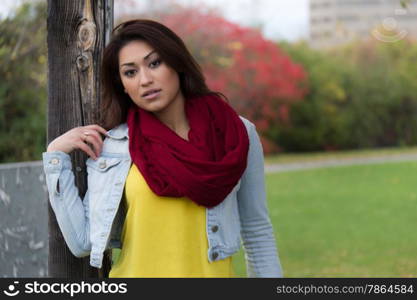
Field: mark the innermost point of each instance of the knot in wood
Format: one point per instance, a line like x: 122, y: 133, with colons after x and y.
x: 83, y: 62
x: 86, y: 35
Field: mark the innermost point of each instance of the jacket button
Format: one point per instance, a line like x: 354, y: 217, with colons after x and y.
x: 102, y: 164
x: 54, y: 161
x: 214, y: 255
x: 214, y: 228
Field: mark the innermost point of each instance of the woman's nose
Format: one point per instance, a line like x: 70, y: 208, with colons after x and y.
x: 145, y: 78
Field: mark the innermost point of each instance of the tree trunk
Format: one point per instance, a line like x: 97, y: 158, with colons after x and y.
x: 77, y: 34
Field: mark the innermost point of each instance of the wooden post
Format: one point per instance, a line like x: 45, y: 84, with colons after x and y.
x: 77, y: 33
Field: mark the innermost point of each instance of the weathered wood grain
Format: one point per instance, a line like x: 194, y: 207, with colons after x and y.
x: 77, y: 34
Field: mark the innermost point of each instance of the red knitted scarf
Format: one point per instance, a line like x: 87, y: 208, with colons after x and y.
x: 207, y: 166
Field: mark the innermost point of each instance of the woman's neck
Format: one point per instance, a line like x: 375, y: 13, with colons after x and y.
x: 174, y: 116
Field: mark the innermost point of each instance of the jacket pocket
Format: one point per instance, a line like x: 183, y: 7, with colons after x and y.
x: 103, y: 164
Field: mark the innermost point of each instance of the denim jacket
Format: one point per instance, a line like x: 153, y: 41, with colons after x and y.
x: 95, y: 224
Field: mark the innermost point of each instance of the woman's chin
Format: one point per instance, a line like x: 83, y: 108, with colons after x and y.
x: 153, y: 107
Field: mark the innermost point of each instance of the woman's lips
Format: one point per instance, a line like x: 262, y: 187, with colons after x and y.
x: 152, y: 95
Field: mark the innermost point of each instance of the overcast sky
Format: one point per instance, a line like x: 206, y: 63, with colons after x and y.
x: 280, y: 19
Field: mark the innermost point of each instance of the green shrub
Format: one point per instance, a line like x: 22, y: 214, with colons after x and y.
x: 361, y: 95
x: 23, y: 86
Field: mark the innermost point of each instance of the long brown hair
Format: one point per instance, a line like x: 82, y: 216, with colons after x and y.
x: 115, y: 102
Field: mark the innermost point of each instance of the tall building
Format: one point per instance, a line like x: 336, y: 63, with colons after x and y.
x: 334, y: 22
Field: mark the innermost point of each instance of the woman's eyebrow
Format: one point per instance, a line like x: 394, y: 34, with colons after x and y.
x: 145, y: 58
x: 149, y: 54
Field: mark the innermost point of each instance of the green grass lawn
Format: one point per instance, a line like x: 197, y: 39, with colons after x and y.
x: 316, y: 156
x: 350, y: 221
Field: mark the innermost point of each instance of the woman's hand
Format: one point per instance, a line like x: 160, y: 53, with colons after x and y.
x: 77, y: 138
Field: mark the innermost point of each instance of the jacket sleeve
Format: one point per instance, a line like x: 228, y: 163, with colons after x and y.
x: 71, y: 212
x: 256, y: 229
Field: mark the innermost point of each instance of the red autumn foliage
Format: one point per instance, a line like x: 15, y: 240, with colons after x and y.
x: 257, y: 77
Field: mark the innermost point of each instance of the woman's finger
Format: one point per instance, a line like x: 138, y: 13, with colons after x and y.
x: 92, y: 140
x: 84, y: 147
x: 93, y: 137
x: 98, y: 128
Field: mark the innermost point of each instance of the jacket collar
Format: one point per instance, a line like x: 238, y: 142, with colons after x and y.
x: 119, y: 132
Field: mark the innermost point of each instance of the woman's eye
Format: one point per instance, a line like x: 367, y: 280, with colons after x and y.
x: 129, y: 73
x: 155, y: 63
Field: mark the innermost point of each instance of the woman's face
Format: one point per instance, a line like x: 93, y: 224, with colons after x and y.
x: 150, y: 82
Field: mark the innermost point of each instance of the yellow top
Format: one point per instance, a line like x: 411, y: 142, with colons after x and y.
x: 164, y: 236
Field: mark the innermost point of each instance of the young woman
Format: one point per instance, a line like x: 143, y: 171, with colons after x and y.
x: 178, y: 181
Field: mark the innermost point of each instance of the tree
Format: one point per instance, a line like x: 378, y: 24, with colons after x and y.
x: 360, y: 95
x: 405, y: 3
x: 77, y: 33
x: 23, y: 84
